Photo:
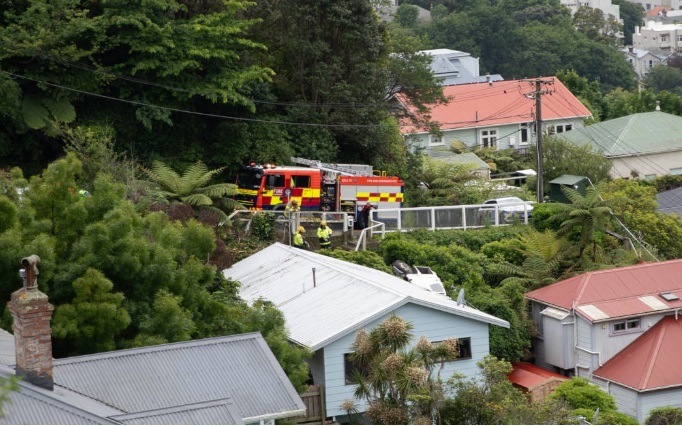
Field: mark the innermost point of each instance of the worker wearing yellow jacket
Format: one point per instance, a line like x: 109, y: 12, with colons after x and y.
x: 299, y: 242
x: 324, y: 234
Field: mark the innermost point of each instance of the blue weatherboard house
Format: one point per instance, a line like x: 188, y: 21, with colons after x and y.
x: 326, y: 301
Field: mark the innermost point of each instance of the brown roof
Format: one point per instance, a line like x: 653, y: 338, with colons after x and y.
x: 618, y: 292
x: 650, y: 362
x: 531, y: 376
x: 501, y: 102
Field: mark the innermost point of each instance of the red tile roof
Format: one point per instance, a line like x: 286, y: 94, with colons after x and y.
x: 657, y: 10
x: 531, y: 376
x: 502, y: 102
x: 650, y: 362
x: 618, y: 292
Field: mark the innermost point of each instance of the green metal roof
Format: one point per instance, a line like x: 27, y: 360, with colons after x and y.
x: 642, y: 133
x: 568, y: 179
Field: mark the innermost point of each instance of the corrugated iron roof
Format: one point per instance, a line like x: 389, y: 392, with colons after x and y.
x: 32, y: 405
x: 650, y: 362
x: 500, y: 102
x: 618, y: 292
x: 531, y: 376
x: 7, y: 349
x: 670, y: 201
x: 635, y: 134
x: 240, y: 367
x: 209, y: 413
x: 336, y: 298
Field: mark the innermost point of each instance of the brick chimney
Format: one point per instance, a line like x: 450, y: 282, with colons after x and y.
x: 32, y: 313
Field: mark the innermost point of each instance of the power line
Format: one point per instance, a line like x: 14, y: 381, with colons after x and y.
x: 203, y: 114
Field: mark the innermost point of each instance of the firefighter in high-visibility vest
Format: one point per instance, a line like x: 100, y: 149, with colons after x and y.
x: 324, y: 234
x: 299, y: 242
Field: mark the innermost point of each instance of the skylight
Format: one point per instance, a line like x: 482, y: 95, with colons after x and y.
x: 669, y: 296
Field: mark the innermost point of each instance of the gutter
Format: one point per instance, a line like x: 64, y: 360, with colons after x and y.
x: 274, y: 416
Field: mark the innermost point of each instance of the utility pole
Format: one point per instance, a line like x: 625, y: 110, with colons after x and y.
x: 537, y: 95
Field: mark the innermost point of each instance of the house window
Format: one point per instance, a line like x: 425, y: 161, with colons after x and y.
x: 679, y: 37
x: 435, y: 140
x: 349, y: 366
x: 489, y: 138
x: 463, y: 348
x: 560, y: 128
x: 651, y: 63
x: 664, y: 38
x: 649, y: 177
x: 526, y: 129
x: 626, y: 326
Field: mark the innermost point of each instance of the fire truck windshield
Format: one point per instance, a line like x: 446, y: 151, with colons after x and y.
x: 249, y: 178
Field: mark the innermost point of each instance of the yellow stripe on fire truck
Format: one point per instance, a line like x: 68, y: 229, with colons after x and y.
x: 375, y: 197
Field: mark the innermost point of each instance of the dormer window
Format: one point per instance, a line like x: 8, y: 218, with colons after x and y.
x: 626, y: 326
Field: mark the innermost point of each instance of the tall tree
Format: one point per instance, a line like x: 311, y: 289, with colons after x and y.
x: 632, y: 15
x: 94, y: 318
x: 333, y: 70
x: 66, y: 56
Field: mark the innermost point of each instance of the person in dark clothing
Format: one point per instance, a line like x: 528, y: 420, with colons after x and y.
x: 364, y: 215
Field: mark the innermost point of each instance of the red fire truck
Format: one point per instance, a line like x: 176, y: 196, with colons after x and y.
x: 317, y: 186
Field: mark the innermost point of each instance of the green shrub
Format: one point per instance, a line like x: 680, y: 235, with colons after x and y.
x: 664, y: 416
x: 263, y: 226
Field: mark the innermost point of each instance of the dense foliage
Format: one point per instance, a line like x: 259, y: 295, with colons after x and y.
x: 122, y: 278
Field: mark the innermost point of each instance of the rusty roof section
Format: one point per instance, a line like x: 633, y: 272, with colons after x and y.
x: 650, y: 362
x: 500, y: 102
x: 531, y: 376
x: 619, y: 292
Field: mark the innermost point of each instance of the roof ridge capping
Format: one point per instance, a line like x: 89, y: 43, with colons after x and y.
x: 158, y: 348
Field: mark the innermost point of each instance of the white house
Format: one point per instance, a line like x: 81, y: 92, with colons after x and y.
x: 657, y: 36
x: 643, y: 61
x: 499, y: 115
x: 620, y: 328
x: 326, y: 301
x: 606, y: 6
x: 456, y: 67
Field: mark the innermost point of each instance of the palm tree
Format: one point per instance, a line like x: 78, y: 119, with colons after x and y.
x: 543, y: 253
x: 398, y: 383
x: 589, y: 215
x: 192, y: 188
x: 444, y: 183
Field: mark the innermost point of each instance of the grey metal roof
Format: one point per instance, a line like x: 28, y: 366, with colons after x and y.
x: 7, y: 349
x: 33, y: 405
x: 209, y: 413
x: 323, y: 298
x: 670, y: 201
x: 241, y: 367
x: 642, y: 133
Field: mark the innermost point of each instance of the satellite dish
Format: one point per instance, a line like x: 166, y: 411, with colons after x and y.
x: 460, y: 297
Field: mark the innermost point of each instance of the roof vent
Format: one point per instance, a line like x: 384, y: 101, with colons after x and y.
x: 669, y: 296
